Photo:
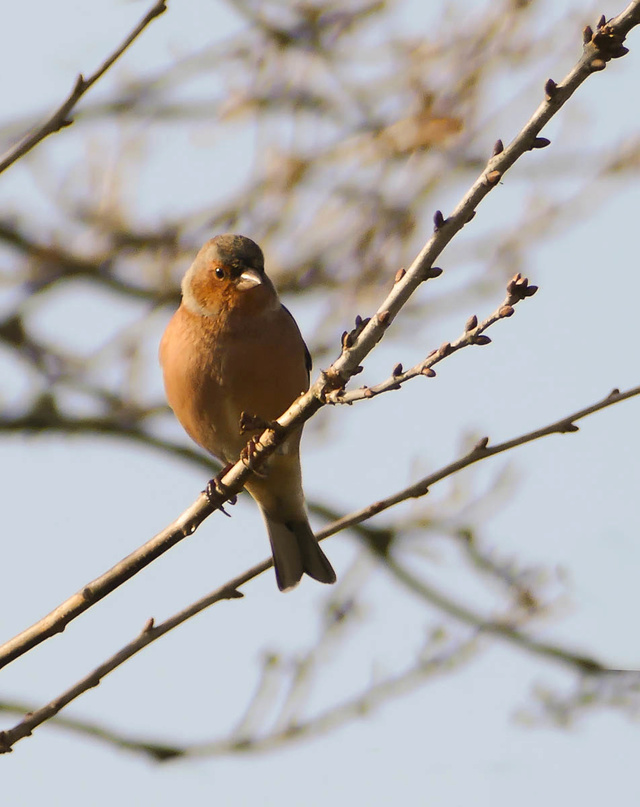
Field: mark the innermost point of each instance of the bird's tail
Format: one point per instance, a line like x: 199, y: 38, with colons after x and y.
x: 297, y: 552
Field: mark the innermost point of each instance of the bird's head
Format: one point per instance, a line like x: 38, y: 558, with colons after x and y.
x: 228, y: 275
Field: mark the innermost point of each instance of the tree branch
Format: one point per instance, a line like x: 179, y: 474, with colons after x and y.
x: 518, y: 289
x: 480, y: 451
x: 58, y: 619
x: 61, y: 117
x: 426, y: 666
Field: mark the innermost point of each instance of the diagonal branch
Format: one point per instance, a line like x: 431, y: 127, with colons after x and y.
x: 61, y: 117
x: 481, y: 451
x: 57, y: 620
x: 427, y: 666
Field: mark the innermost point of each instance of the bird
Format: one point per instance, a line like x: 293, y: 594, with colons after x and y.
x: 231, y: 350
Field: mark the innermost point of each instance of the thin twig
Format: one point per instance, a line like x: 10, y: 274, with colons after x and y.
x: 61, y: 117
x: 518, y: 289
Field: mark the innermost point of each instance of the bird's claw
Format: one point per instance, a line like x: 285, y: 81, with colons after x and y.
x: 248, y: 454
x: 215, y: 488
x: 250, y: 423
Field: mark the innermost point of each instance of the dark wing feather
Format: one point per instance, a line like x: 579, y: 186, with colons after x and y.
x: 307, y: 355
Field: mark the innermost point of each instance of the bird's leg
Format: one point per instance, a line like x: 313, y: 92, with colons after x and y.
x: 215, y: 487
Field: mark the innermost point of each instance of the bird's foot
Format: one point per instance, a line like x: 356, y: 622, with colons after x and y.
x: 215, y: 487
x: 252, y: 423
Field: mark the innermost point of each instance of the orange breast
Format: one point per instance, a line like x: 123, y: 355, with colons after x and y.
x: 215, y: 369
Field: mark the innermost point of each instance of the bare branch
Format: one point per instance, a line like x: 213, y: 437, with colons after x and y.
x: 480, y: 451
x: 58, y: 619
x: 427, y: 666
x: 518, y: 289
x: 61, y: 117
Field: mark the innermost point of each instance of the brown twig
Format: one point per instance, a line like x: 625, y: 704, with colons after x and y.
x: 60, y: 119
x: 518, y: 289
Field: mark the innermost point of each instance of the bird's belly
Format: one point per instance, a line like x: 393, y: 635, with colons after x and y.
x: 212, y: 383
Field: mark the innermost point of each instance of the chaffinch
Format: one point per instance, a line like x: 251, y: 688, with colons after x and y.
x: 231, y: 347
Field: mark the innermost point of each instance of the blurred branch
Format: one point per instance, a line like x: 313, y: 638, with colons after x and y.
x: 620, y: 692
x: 61, y: 117
x: 45, y: 417
x: 94, y: 730
x: 499, y: 629
x: 425, y: 667
x: 54, y: 263
x: 58, y: 619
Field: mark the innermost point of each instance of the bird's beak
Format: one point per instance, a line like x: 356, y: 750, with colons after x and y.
x: 248, y: 279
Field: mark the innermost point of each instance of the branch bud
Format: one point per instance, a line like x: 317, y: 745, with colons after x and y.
x: 540, y: 143
x: 471, y: 323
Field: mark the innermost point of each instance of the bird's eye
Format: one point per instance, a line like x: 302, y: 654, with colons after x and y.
x: 219, y: 272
